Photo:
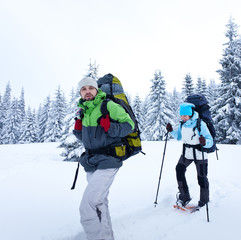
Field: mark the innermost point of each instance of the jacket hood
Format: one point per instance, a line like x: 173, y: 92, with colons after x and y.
x: 192, y: 121
x: 91, y: 104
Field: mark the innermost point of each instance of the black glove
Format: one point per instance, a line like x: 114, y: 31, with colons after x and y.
x: 202, y: 141
x: 169, y: 127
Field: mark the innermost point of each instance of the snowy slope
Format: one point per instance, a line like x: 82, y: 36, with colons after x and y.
x: 36, y: 202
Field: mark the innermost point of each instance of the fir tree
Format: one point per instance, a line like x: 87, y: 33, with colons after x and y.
x: 1, y: 118
x: 43, y: 118
x: 188, y: 88
x: 175, y: 100
x: 228, y: 104
x: 198, y: 85
x: 36, y: 125
x: 30, y: 132
x: 93, y: 70
x: 212, y: 92
x: 55, y: 123
x: 38, y: 116
x: 72, y: 147
x: 12, y: 124
x: 21, y: 108
x: 204, y: 87
x: 144, y: 109
x: 159, y: 111
x: 21, y: 104
x: 5, y: 107
x: 6, y: 101
x: 137, y: 109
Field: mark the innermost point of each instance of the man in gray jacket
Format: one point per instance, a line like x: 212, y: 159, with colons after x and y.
x: 98, y: 134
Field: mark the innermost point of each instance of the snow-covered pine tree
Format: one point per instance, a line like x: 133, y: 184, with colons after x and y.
x: 38, y: 115
x: 175, y: 101
x: 55, y: 123
x: 204, y: 87
x: 198, y: 85
x: 12, y: 124
x: 92, y: 71
x: 36, y: 124
x: 212, y: 92
x: 228, y: 104
x: 72, y: 147
x: 5, y: 106
x: 1, y: 118
x: 30, y: 131
x: 21, y: 107
x: 144, y: 109
x: 43, y: 117
x: 188, y: 87
x: 137, y: 109
x: 21, y: 104
x: 159, y: 111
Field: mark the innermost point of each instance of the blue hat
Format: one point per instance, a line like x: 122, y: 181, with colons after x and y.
x: 186, y: 109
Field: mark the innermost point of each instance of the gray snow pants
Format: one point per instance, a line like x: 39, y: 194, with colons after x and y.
x: 94, y: 211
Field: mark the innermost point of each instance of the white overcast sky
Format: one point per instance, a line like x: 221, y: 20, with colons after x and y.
x: 46, y: 43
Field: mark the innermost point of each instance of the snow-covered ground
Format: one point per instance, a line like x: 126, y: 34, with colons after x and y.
x: 36, y: 202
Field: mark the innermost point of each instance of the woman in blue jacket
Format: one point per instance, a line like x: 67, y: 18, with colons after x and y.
x: 193, y: 142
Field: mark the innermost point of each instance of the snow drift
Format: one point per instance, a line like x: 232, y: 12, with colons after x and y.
x: 37, y: 203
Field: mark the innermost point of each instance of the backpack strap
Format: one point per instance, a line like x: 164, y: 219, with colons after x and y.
x: 198, y: 125
x: 181, y: 122
x: 103, y: 107
x: 81, y: 113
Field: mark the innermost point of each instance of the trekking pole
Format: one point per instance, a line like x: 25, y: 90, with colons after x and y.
x: 205, y: 182
x: 75, y: 177
x: 161, y: 168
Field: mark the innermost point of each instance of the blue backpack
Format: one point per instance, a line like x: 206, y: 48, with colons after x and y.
x: 202, y: 107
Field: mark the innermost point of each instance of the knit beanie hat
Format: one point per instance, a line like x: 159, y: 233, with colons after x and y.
x: 186, y: 109
x: 88, y: 81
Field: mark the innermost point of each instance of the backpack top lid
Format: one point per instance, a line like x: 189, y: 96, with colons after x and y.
x: 201, y: 105
x: 110, y: 85
x: 197, y: 99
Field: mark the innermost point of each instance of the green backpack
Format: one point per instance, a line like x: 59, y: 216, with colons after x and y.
x: 112, y: 86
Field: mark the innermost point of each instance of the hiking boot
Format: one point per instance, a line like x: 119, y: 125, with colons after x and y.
x: 183, y: 199
x: 201, y: 204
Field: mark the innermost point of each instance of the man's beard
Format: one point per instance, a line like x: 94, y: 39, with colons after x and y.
x: 88, y: 97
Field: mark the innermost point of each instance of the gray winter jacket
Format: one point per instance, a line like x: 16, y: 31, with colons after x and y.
x: 94, y: 137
